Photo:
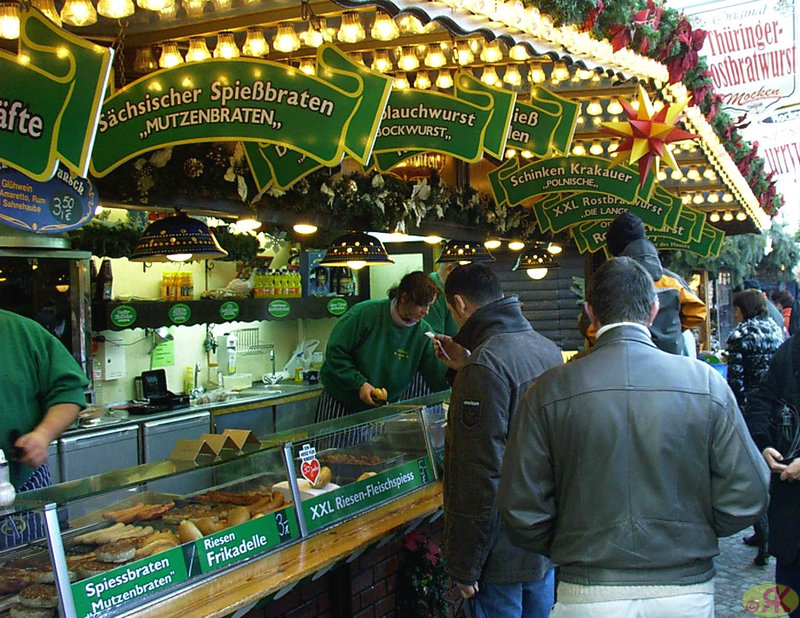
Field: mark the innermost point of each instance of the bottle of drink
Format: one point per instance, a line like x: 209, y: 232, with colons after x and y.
x: 189, y: 286
x: 104, y: 283
x: 276, y: 284
x: 165, y: 285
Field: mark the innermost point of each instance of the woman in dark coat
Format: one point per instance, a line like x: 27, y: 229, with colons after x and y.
x: 750, y: 347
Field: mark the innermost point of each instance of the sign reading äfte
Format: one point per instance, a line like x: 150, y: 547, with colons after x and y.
x: 62, y: 203
x: 50, y: 103
x: 325, y: 116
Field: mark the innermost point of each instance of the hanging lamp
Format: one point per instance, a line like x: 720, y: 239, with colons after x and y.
x: 356, y: 250
x: 177, y: 238
x: 536, y: 261
x: 464, y: 252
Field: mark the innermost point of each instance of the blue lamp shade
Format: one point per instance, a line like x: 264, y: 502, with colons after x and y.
x: 363, y: 249
x: 465, y: 251
x: 176, y: 237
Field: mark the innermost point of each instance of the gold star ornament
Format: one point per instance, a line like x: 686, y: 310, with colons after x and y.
x: 647, y: 132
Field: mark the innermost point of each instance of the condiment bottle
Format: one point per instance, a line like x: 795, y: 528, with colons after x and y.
x: 7, y: 491
x: 104, y: 282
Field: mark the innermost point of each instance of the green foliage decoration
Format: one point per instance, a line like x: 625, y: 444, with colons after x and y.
x: 422, y: 583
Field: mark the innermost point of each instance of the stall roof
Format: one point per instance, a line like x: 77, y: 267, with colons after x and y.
x: 505, y: 37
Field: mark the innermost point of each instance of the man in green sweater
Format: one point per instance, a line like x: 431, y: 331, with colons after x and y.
x: 43, y: 391
x: 381, y: 344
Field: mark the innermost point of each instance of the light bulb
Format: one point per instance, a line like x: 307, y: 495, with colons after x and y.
x: 537, y: 273
x: 198, y: 50
x: 432, y: 239
x: 408, y: 60
x: 308, y: 66
x: 516, y: 245
x: 596, y: 148
x: 728, y: 216
x: 170, y: 55
x: 444, y: 80
x: 226, y: 46
x: 9, y: 20
x: 351, y: 30
x: 492, y: 243
x: 489, y: 76
x: 491, y: 52
x: 384, y: 27
x: 422, y: 81
x: 304, y: 228
x: 314, y: 35
x: 713, y: 217
x: 614, y: 107
x: 554, y: 248
x: 247, y: 224
x: 144, y: 62
x: 179, y: 257
x: 464, y: 55
x: 194, y: 8
x: 579, y: 150
x: 356, y: 264
x: 48, y: 7
x: 512, y: 75
x: 740, y: 216
x: 410, y: 24
x: 78, y: 13
x: 401, y: 82
x: 255, y: 45
x: 286, y: 39
x: 537, y: 75
x: 116, y: 9
x: 435, y: 57
x: 381, y: 61
x: 518, y: 52
x: 560, y: 71
x: 594, y: 108
x: 152, y: 5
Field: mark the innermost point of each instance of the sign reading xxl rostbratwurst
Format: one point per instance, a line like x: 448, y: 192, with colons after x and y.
x: 249, y: 100
x: 50, y: 102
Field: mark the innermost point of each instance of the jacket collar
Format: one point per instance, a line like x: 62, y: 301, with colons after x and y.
x: 624, y: 333
x: 499, y: 316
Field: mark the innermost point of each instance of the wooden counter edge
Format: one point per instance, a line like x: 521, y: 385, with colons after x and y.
x: 225, y: 593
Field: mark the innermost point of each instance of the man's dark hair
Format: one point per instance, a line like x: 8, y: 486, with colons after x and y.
x: 621, y: 290
x: 751, y: 303
x: 418, y: 287
x: 476, y: 282
x: 622, y: 231
x: 782, y: 297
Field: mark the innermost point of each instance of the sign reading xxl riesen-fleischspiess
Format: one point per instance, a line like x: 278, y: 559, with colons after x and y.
x: 323, y: 116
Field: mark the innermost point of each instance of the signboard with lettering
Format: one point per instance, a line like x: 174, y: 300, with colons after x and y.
x: 247, y: 99
x: 105, y: 593
x: 512, y: 184
x: 39, y: 129
x: 249, y: 539
x: 546, y: 124
x: 361, y: 496
x: 62, y: 203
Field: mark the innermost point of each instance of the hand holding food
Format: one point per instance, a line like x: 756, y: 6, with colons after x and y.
x: 380, y: 395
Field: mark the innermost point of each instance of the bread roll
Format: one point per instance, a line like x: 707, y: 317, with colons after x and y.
x: 188, y: 532
x: 208, y: 525
x: 116, y: 551
x: 366, y: 475
x: 239, y: 515
x: 323, y: 478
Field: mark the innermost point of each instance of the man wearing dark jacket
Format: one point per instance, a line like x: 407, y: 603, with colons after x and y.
x: 774, y: 422
x: 496, y: 355
x: 625, y: 465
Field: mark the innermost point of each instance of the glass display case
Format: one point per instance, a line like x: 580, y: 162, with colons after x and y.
x: 116, y: 541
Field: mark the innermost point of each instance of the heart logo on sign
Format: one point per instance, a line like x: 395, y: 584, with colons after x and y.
x: 310, y: 470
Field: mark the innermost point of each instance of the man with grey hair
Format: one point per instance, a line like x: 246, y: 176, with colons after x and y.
x: 625, y: 466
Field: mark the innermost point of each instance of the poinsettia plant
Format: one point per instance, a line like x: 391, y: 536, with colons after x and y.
x: 422, y: 582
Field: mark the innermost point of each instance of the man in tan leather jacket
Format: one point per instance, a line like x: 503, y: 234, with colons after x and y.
x: 624, y: 466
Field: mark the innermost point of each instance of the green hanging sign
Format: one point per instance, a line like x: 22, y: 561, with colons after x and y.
x: 325, y: 116
x: 545, y: 125
x: 123, y: 316
x: 279, y: 308
x: 49, y: 104
x: 709, y: 244
x: 277, y: 166
x: 180, y: 313
x: 513, y: 185
x: 229, y: 310
x: 337, y: 306
x: 558, y: 212
x: 104, y: 594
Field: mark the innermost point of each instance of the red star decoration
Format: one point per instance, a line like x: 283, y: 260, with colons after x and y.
x: 647, y: 132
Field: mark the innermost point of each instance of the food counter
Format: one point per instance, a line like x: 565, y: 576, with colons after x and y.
x: 156, y: 552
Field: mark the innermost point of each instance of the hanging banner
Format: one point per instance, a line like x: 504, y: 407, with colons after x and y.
x: 690, y: 234
x: 513, y: 185
x: 50, y: 103
x: 752, y: 53
x: 558, y: 212
x: 62, y: 203
x: 245, y: 99
x: 545, y: 125
x: 277, y: 166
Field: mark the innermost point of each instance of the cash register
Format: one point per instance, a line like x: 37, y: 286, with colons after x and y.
x: 154, y: 396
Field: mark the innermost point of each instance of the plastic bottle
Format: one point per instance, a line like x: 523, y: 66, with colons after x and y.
x: 188, y: 286
x: 165, y: 285
x: 276, y: 284
x: 298, y: 285
x: 7, y: 491
x: 230, y: 344
x: 105, y: 280
x: 188, y: 379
